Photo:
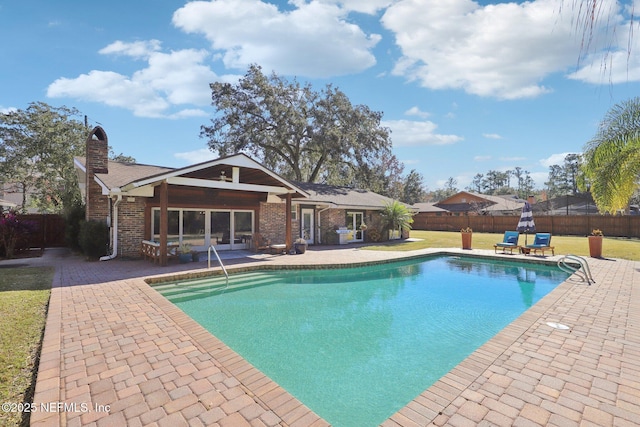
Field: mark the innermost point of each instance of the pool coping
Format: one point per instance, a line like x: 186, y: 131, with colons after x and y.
x: 455, y: 398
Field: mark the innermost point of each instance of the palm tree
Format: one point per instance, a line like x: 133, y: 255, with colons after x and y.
x: 612, y: 157
x: 397, y: 216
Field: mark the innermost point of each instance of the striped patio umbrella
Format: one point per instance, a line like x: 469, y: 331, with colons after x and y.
x: 526, y: 224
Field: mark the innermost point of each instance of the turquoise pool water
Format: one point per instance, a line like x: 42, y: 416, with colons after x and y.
x: 356, y: 345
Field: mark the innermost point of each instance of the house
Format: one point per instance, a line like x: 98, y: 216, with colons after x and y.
x: 221, y: 202
x: 330, y: 211
x: 12, y: 196
x: 469, y: 203
x: 6, y: 205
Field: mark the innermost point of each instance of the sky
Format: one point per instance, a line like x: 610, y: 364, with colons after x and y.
x: 465, y: 86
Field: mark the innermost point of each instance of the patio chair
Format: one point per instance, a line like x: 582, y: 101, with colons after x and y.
x: 542, y: 242
x: 509, y: 241
x: 260, y: 243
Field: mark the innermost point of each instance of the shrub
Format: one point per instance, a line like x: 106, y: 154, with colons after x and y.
x: 13, y: 230
x: 94, y: 238
x: 73, y: 217
x: 373, y: 235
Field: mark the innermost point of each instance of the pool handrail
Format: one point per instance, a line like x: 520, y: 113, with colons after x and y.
x: 584, y: 274
x: 224, y: 270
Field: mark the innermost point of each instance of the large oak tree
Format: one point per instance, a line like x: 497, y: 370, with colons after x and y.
x: 302, y: 134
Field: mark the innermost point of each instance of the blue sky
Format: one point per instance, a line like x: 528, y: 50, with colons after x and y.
x: 466, y: 87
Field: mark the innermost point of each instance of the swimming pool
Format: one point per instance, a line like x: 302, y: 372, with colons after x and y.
x: 357, y: 344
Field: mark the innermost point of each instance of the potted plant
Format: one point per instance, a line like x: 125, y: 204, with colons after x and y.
x: 184, y: 253
x: 195, y: 256
x: 466, y: 233
x: 595, y: 244
x: 300, y: 245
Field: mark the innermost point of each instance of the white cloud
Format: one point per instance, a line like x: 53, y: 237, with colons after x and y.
x: 554, y: 159
x: 415, y: 111
x: 169, y: 80
x: 406, y: 133
x: 139, y: 49
x: 492, y: 136
x: 196, y: 156
x: 499, y: 50
x: 315, y: 39
x: 482, y: 158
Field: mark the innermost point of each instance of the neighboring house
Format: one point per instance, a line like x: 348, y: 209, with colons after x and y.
x: 430, y: 209
x: 469, y: 203
x: 6, y: 205
x: 11, y: 195
x: 221, y: 202
x: 425, y: 211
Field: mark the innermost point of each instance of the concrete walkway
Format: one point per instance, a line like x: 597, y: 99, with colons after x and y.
x: 117, y: 353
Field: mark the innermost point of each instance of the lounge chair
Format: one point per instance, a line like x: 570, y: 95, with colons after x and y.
x: 542, y: 242
x: 510, y: 241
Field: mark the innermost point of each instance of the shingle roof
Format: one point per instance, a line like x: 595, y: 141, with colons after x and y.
x: 342, y: 196
x: 428, y: 207
x: 121, y: 174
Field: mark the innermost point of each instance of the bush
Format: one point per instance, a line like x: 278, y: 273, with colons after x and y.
x: 14, y: 233
x: 73, y: 217
x: 94, y: 238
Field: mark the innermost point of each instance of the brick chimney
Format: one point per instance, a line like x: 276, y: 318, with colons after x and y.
x: 97, y: 157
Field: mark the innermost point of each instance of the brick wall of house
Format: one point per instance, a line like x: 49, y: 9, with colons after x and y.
x: 272, y: 217
x: 130, y: 226
x: 295, y: 225
x: 330, y: 220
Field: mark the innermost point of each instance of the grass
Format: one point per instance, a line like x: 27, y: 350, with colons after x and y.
x: 24, y: 298
x: 612, y: 247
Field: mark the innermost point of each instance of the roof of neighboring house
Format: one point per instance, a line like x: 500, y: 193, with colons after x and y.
x: 487, y: 203
x: 342, y: 197
x: 7, y: 204
x: 428, y: 207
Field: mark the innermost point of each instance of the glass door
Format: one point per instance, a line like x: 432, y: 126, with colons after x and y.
x: 354, y: 221
x: 306, y: 225
x: 220, y: 226
x: 242, y: 229
x: 193, y: 229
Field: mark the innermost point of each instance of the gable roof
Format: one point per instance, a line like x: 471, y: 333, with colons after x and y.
x: 235, y: 172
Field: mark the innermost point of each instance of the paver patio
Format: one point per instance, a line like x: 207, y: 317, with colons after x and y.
x: 111, y: 342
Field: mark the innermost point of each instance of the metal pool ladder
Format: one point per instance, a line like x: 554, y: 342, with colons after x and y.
x: 583, y: 270
x: 224, y: 270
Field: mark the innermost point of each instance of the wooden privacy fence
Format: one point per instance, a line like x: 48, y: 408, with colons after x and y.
x: 49, y: 230
x: 576, y: 225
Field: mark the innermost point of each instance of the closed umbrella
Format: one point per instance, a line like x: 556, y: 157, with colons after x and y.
x: 526, y: 224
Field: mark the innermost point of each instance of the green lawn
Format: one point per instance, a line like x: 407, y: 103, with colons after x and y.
x: 24, y: 298
x: 612, y: 247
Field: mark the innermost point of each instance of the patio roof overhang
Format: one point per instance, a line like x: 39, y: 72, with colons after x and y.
x: 235, y: 173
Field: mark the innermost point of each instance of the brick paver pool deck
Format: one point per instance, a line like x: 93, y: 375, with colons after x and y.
x: 111, y: 342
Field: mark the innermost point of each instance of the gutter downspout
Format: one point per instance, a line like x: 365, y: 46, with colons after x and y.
x: 114, y: 252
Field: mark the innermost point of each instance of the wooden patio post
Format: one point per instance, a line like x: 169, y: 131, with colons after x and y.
x: 164, y: 221
x: 288, y: 241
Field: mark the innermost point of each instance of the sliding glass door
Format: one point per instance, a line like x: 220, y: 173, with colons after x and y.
x: 226, y: 229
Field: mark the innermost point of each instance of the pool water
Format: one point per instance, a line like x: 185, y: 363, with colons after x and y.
x: 355, y: 345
